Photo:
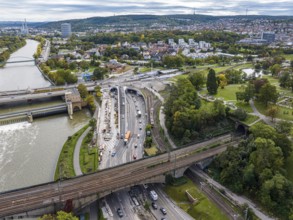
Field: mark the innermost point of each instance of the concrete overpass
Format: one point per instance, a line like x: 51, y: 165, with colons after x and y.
x: 101, y: 183
x: 34, y: 96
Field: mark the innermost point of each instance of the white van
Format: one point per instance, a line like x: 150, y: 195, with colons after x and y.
x: 153, y: 195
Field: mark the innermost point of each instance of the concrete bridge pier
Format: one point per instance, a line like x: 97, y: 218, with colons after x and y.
x: 179, y: 172
x: 69, y: 109
x: 30, y: 117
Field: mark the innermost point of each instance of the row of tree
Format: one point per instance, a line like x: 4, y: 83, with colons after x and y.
x: 59, y: 77
x: 155, y: 36
x: 10, y: 44
x: 256, y: 167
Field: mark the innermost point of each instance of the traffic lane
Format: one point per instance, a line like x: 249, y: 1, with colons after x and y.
x: 114, y: 204
x: 131, y: 126
x: 128, y: 205
x: 173, y: 211
x: 121, y: 199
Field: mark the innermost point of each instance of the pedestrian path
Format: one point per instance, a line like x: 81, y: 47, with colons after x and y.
x: 76, y: 164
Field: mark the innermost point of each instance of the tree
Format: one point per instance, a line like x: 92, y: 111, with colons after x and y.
x: 212, y: 85
x: 82, y: 89
x: 275, y: 69
x: 61, y: 215
x: 197, y: 79
x: 222, y: 81
x: 91, y: 102
x: 273, y: 112
x: 135, y: 71
x: 268, y: 93
x: 93, y: 123
x: 98, y: 93
x: 284, y: 127
x: 258, y: 83
x: 240, y: 114
x: 247, y: 94
x: 173, y: 61
x: 233, y: 76
x: 99, y: 73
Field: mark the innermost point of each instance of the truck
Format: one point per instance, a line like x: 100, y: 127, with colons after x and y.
x: 127, y: 137
x: 153, y: 195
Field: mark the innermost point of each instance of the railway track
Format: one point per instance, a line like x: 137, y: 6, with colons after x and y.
x: 106, y: 180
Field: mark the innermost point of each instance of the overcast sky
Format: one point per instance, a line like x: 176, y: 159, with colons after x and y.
x: 51, y: 10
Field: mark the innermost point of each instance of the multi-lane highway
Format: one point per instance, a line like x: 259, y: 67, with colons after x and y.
x: 107, y: 180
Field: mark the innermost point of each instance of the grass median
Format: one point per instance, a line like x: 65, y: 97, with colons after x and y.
x: 64, y: 168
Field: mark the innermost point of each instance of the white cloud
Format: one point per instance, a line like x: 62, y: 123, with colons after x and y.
x: 40, y: 10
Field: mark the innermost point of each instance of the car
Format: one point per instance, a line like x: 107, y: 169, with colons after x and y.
x: 163, y: 210
x: 122, y: 136
x: 140, y: 128
x: 113, y: 154
x: 163, y: 219
x: 140, y: 121
x: 154, y: 205
x: 134, y: 157
x: 122, y: 116
x: 135, y: 145
x: 119, y: 212
x: 138, y: 136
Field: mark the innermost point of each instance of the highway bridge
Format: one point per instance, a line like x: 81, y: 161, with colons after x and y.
x: 33, y: 96
x: 43, y: 89
x: 112, y: 179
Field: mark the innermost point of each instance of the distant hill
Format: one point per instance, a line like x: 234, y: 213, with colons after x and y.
x: 147, y: 20
x: 19, y: 23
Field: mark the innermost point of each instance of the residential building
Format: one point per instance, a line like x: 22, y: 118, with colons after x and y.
x: 66, y: 30
x: 268, y: 36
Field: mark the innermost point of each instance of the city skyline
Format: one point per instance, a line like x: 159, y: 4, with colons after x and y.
x: 73, y: 9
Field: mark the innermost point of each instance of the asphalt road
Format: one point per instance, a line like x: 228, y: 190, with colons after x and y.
x: 173, y: 211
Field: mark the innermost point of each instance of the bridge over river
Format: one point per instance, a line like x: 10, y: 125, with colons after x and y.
x: 18, y: 59
x: 106, y: 181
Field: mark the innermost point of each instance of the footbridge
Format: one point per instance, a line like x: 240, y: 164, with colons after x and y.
x: 19, y: 60
x: 109, y: 180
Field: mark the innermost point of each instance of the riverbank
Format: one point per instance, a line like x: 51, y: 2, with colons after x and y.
x: 65, y: 167
x: 9, y: 45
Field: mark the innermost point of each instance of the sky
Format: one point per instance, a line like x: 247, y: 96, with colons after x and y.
x: 52, y: 10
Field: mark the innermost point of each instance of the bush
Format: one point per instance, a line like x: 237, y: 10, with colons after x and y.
x: 240, y: 114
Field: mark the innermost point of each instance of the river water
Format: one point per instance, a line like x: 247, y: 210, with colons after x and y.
x: 22, y: 75
x: 29, y: 152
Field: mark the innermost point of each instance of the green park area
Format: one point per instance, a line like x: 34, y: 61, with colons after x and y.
x: 89, y: 154
x: 64, y: 168
x: 203, y: 208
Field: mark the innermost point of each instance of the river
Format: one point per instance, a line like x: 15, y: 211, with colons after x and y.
x: 22, y: 75
x: 29, y: 152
